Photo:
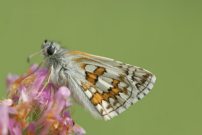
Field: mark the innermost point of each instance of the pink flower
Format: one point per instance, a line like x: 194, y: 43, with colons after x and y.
x: 35, y: 106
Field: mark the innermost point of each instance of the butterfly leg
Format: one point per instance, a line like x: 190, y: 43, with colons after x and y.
x: 46, y: 83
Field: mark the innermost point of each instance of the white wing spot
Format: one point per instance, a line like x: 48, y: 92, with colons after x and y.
x: 129, y: 89
x: 103, y: 85
x: 93, y: 90
x: 134, y: 100
x: 121, y: 100
x: 113, y: 114
x: 100, y: 109
x: 108, y: 80
x: 124, y: 96
x: 127, y: 104
x: 106, y: 107
x: 153, y: 79
x: 122, y: 85
x: 146, y: 91
x: 140, y: 96
x: 106, y: 117
x: 90, y: 68
x: 114, y: 103
x: 88, y: 93
x: 121, y: 109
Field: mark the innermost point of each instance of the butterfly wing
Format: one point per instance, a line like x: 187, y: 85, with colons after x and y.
x: 104, y: 86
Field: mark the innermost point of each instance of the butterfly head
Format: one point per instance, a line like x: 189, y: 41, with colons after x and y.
x: 50, y: 48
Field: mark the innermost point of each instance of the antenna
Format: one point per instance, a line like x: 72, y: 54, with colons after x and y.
x: 32, y: 55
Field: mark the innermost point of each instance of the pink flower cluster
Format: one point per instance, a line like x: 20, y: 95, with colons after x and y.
x: 34, y: 106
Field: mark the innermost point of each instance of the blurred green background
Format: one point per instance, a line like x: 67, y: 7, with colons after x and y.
x: 163, y: 36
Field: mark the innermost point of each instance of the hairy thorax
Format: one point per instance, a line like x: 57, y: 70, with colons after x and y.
x: 57, y: 68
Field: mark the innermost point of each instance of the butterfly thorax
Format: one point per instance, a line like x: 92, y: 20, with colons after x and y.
x: 53, y: 61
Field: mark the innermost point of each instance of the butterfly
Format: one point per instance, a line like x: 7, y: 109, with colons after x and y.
x: 102, y: 85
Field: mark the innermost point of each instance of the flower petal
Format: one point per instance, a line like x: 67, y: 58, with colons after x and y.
x: 14, y: 128
x: 10, y: 79
x: 4, y: 119
x: 78, y: 130
x: 35, y: 105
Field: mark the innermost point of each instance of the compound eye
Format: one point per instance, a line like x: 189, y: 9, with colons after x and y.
x: 50, y: 50
x: 45, y: 41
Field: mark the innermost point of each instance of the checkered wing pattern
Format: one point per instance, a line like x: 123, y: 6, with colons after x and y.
x: 107, y: 87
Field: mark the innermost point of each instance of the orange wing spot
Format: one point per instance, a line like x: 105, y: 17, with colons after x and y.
x: 115, y: 83
x: 96, y: 99
x: 100, y: 71
x: 106, y: 96
x: 91, y: 77
x: 86, y: 86
x: 115, y: 91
